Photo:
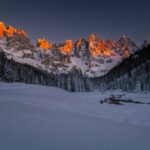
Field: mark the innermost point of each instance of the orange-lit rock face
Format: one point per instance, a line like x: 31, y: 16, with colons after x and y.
x: 10, y: 31
x: 2, y: 29
x: 123, y: 42
x: 107, y: 52
x: 111, y: 43
x: 97, y: 46
x: 113, y: 53
x: 20, y: 32
x: 67, y: 48
x: 79, y: 43
x: 126, y: 53
x: 43, y: 43
x: 94, y: 45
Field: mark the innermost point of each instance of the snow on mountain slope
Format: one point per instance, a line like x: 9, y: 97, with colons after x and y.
x: 37, y: 117
x: 94, y: 57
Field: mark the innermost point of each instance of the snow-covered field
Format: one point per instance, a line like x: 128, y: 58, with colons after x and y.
x: 34, y: 117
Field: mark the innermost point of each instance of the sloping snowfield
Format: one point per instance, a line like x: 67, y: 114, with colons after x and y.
x: 34, y: 117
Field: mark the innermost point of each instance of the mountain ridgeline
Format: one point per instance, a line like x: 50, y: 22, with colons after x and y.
x: 84, y: 65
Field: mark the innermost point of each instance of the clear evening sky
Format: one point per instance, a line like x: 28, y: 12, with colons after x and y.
x: 57, y: 20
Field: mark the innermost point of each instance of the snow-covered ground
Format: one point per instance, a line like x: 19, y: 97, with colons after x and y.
x: 34, y: 117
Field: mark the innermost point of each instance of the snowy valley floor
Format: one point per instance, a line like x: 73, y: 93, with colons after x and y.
x: 34, y: 117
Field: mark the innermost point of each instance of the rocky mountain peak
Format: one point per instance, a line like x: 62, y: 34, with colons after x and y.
x: 67, y: 47
x: 20, y: 32
x: 43, y: 44
x: 9, y: 31
x: 2, y: 29
x: 146, y: 43
x: 97, y: 46
x: 16, y: 38
x: 80, y: 42
x: 124, y: 41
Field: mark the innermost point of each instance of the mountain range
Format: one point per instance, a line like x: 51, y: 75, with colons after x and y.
x: 83, y: 65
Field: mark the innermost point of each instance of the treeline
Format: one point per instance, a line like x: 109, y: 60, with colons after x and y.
x: 132, y: 74
x: 11, y: 71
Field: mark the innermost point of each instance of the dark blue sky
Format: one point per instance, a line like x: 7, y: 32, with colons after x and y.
x: 61, y: 19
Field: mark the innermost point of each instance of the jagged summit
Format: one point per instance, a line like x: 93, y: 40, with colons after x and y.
x: 146, y: 43
x: 67, y: 47
x: 43, y: 44
x: 15, y: 38
x: 126, y: 43
x: 10, y: 31
x: 2, y: 29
